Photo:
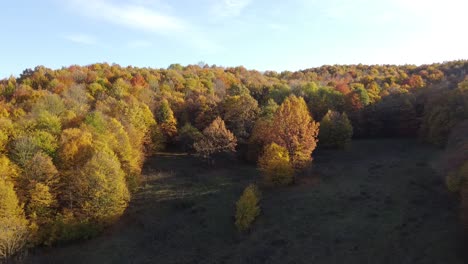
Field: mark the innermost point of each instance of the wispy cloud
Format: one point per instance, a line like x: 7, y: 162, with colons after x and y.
x: 136, y: 16
x: 144, y: 15
x: 229, y: 8
x: 81, y: 39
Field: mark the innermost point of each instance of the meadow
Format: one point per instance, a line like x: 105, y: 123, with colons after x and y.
x: 378, y: 201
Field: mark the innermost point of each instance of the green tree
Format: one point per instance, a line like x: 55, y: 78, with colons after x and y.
x: 240, y: 113
x: 323, y: 99
x: 48, y: 122
x: 335, y: 130
x: 46, y: 142
x: 443, y: 113
x: 268, y: 110
x: 188, y: 135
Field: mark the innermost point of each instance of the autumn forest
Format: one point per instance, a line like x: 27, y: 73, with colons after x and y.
x: 74, y: 141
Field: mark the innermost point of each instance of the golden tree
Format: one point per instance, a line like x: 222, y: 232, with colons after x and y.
x: 275, y: 166
x: 294, y: 129
x: 166, y: 120
x: 13, y: 224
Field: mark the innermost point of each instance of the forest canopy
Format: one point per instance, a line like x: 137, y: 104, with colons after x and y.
x: 73, y: 140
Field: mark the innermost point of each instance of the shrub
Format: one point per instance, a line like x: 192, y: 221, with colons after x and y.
x: 247, y: 207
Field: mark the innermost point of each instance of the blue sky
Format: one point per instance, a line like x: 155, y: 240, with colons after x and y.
x: 259, y: 34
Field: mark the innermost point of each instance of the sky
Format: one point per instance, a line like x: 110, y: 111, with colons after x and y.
x: 258, y: 34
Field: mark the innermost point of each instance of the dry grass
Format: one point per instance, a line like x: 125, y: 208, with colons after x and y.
x: 378, y: 202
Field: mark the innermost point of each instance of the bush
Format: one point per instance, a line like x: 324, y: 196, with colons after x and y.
x: 247, y: 207
x: 275, y: 165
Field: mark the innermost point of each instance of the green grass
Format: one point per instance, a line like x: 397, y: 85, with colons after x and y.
x: 378, y: 202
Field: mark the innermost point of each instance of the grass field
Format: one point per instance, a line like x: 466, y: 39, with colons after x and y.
x: 378, y: 202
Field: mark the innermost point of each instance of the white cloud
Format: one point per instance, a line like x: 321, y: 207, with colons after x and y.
x: 81, y: 39
x: 229, y: 8
x: 130, y: 15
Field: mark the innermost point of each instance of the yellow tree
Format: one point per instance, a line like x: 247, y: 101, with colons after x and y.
x: 76, y: 148
x: 8, y: 171
x: 294, y: 129
x: 275, y: 166
x: 247, y: 207
x: 13, y: 224
x: 166, y: 120
x: 102, y: 192
x: 39, y: 185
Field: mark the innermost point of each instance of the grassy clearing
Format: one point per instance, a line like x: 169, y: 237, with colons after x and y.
x: 378, y: 202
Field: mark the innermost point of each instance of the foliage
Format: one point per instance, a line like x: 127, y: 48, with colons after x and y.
x: 275, y: 165
x: 323, y: 99
x: 101, y: 191
x: 443, y: 113
x: 294, y: 129
x: 82, y: 124
x: 216, y: 139
x: 8, y: 170
x: 240, y: 113
x: 247, y: 207
x: 166, y: 120
x: 13, y: 224
x: 188, y: 135
x: 23, y: 149
x: 335, y: 130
